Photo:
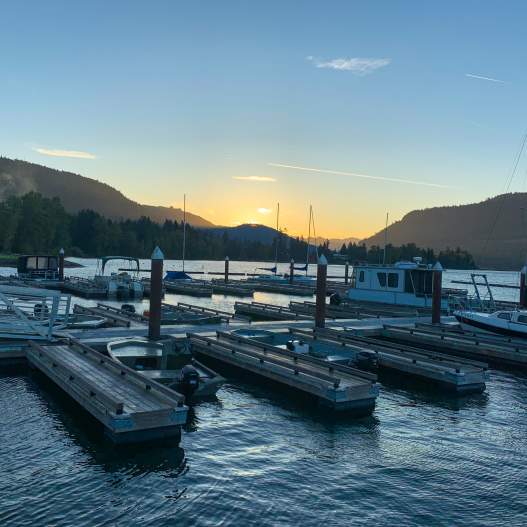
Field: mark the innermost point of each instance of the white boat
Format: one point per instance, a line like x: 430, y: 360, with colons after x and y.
x: 403, y: 283
x: 121, y: 284
x: 507, y: 322
x: 168, y: 363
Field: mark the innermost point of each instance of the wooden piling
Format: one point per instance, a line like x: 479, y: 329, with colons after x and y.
x: 61, y: 265
x: 320, y: 311
x: 436, y: 293
x: 291, y: 270
x: 226, y: 269
x: 156, y: 292
x: 346, y: 272
x: 523, y: 292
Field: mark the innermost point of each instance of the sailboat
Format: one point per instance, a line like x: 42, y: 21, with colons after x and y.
x: 181, y: 275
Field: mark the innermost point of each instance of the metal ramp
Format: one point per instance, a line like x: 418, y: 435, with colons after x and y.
x: 32, y: 313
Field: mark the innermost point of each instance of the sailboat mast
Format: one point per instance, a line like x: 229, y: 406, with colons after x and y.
x: 308, y: 238
x: 385, y: 240
x: 277, y: 237
x: 184, y: 228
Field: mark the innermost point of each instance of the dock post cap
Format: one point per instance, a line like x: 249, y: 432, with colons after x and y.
x: 226, y: 258
x: 322, y: 260
x: 157, y: 254
x: 61, y: 252
x: 438, y: 267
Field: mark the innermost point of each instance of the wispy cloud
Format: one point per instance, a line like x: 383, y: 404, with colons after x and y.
x: 264, y: 210
x: 258, y: 179
x: 358, y: 66
x: 363, y: 176
x: 64, y: 153
x: 483, y: 78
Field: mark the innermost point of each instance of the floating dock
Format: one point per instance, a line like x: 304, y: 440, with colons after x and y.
x: 223, y: 316
x: 338, y: 387
x: 113, y: 316
x: 188, y: 288
x: 483, y: 346
x: 84, y: 288
x: 262, y: 311
x: 130, y: 407
x: 232, y: 288
x: 459, y: 376
x: 267, y: 286
x: 354, y: 310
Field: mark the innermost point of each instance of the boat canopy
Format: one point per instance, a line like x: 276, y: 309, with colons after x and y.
x: 106, y: 259
x: 177, y: 275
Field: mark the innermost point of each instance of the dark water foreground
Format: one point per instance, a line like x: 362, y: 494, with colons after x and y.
x: 251, y: 458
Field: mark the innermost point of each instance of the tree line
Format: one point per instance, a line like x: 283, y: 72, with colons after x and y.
x: 32, y: 224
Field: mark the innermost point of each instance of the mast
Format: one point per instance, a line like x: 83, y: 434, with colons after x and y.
x: 385, y: 240
x: 184, y: 227
x: 308, y: 238
x: 277, y: 237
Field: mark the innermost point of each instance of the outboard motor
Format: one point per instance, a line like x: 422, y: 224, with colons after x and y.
x: 41, y: 310
x: 128, y: 308
x: 335, y: 299
x: 366, y: 360
x: 298, y: 346
x: 188, y: 381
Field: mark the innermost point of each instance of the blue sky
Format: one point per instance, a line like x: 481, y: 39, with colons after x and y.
x: 174, y: 97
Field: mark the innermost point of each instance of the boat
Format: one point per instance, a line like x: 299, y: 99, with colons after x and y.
x: 168, y: 363
x: 121, y: 284
x: 81, y: 321
x: 405, y: 283
x: 38, y: 267
x: 512, y: 323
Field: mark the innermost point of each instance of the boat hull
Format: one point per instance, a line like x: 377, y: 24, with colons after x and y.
x: 507, y: 331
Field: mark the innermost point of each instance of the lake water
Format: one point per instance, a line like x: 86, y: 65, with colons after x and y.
x: 255, y: 457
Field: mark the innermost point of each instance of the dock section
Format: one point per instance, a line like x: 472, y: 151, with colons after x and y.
x: 130, y: 407
x: 338, y: 387
x: 262, y: 311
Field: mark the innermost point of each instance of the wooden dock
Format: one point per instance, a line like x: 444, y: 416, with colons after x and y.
x: 84, y: 288
x: 188, y: 288
x: 267, y: 286
x: 262, y: 311
x: 113, y: 316
x: 480, y: 346
x: 223, y: 316
x: 338, y: 387
x: 130, y: 407
x: 232, y: 288
x: 350, y: 310
x: 459, y: 376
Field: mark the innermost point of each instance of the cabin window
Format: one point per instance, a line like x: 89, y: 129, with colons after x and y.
x: 393, y: 280
x: 361, y: 276
x: 31, y: 262
x: 505, y: 316
x: 522, y: 319
x: 52, y: 263
x: 382, y: 279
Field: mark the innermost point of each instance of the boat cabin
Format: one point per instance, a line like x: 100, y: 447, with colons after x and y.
x: 43, y: 267
x: 403, y: 283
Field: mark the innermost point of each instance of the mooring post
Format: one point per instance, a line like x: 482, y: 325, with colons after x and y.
x: 291, y: 270
x: 156, y: 292
x: 226, y: 269
x: 346, y: 272
x: 322, y: 275
x: 61, y: 265
x: 436, y: 293
x: 523, y: 292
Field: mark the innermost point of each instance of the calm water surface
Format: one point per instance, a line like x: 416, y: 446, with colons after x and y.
x: 252, y: 457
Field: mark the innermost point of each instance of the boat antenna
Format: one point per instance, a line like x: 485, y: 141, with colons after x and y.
x: 385, y: 239
x: 314, y: 231
x: 277, y: 237
x: 308, y: 238
x: 184, y: 228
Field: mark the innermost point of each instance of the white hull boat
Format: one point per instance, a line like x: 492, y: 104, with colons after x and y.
x: 512, y: 323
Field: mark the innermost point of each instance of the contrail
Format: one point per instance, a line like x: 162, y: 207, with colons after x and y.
x: 364, y: 176
x: 483, y: 78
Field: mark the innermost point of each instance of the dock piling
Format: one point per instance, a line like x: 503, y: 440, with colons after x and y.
x: 61, y: 265
x: 436, y: 293
x: 320, y: 311
x: 346, y: 272
x: 226, y: 269
x: 156, y: 292
x: 523, y: 291
x: 291, y: 270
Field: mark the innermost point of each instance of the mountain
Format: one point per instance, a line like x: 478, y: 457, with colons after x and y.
x: 77, y: 192
x: 247, y: 232
x: 494, y: 231
x: 336, y: 243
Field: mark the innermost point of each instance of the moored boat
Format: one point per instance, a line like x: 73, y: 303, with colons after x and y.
x: 168, y: 363
x: 506, y: 322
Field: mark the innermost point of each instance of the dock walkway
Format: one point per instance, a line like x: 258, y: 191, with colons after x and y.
x: 335, y: 386
x: 262, y: 311
x: 130, y: 407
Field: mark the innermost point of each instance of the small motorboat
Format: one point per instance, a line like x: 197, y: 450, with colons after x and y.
x: 79, y: 321
x: 168, y: 363
x: 512, y: 323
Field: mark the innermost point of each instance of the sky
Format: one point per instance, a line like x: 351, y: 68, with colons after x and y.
x: 358, y: 108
